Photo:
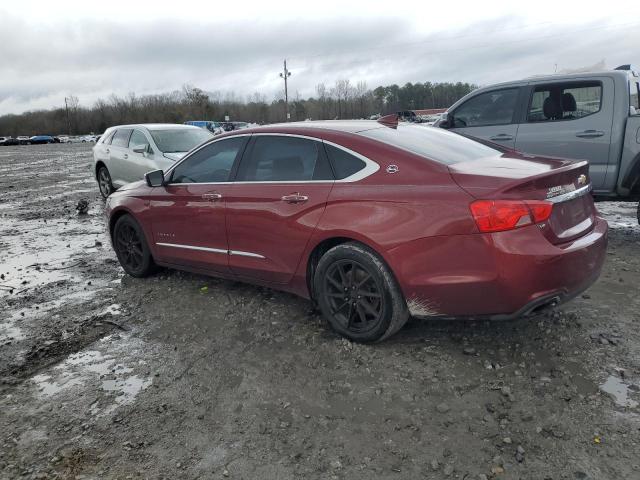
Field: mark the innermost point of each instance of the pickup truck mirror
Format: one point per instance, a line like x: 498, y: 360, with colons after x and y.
x: 154, y: 178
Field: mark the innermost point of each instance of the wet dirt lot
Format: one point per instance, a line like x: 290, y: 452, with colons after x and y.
x: 184, y: 376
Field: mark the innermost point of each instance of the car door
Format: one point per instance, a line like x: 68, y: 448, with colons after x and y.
x: 274, y: 205
x: 570, y: 119
x: 490, y: 115
x: 117, y: 152
x: 188, y: 212
x: 136, y: 163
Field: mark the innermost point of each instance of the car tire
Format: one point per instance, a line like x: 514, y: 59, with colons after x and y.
x: 104, y: 182
x: 358, y: 294
x: 131, y: 248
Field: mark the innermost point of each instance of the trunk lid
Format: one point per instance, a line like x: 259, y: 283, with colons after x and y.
x: 517, y: 176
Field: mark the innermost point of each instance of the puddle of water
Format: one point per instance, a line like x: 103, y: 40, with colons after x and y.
x: 620, y: 215
x: 619, y: 390
x: 113, y: 309
x: 40, y: 252
x: 108, y: 369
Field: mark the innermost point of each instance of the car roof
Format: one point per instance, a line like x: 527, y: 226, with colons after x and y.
x: 156, y: 126
x: 346, y: 126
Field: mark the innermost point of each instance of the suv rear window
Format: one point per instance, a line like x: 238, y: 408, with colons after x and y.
x: 432, y: 143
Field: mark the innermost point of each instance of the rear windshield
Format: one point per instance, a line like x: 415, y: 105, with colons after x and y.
x: 433, y: 143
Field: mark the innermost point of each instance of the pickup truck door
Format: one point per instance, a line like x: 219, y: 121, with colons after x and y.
x: 490, y: 115
x: 570, y: 119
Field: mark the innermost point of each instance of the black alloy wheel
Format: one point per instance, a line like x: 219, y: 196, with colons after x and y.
x: 358, y: 294
x: 353, y: 295
x: 131, y: 248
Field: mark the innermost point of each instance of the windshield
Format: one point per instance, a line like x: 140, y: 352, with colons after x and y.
x: 433, y: 143
x: 179, y: 139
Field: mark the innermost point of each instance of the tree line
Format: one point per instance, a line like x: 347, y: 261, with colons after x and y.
x: 343, y: 100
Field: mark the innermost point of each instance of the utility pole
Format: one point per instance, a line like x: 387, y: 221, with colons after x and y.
x: 286, y: 74
x: 66, y: 107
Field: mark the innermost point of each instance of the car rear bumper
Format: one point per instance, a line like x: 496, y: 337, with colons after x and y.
x: 497, y: 276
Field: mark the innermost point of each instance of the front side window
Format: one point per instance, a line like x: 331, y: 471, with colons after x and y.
x: 121, y: 137
x: 284, y: 159
x: 564, y: 101
x: 210, y: 164
x: 490, y: 108
x: 138, y: 139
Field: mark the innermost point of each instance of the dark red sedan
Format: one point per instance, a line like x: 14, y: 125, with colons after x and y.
x: 373, y: 221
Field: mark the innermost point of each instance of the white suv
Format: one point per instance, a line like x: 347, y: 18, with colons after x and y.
x: 126, y: 152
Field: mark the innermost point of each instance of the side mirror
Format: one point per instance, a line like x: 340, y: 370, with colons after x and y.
x: 445, y: 121
x: 154, y: 178
x: 140, y: 148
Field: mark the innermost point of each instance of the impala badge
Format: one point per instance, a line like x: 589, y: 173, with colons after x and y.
x: 392, y: 169
x: 582, y: 179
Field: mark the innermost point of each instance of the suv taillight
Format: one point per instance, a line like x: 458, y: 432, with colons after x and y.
x: 501, y: 215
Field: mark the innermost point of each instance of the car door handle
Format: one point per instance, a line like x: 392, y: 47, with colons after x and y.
x: 126, y: 155
x: 212, y: 196
x: 590, y: 134
x: 502, y: 137
x: 108, y: 151
x: 294, y: 198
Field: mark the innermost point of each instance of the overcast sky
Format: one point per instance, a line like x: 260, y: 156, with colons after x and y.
x: 92, y: 49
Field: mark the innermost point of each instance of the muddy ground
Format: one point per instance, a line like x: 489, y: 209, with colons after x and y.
x: 184, y: 376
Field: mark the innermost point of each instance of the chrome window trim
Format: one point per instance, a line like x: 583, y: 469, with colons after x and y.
x: 565, y: 197
x: 239, y: 253
x: 370, y: 168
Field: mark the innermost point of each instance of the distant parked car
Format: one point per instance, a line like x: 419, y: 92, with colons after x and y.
x: 8, y: 141
x: 23, y: 140
x: 126, y: 152
x: 88, y: 139
x: 63, y: 138
x: 213, y: 127
x: 41, y: 139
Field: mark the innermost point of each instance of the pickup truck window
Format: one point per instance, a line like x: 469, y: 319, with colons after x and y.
x: 564, y: 101
x: 490, y: 108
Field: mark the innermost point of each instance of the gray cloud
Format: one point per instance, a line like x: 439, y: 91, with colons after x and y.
x: 42, y: 63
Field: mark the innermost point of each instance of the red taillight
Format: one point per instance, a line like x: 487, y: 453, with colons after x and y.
x: 500, y: 215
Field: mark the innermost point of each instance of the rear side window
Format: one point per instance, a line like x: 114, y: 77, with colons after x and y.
x: 107, y: 138
x: 210, y: 164
x: 284, y: 159
x: 435, y: 144
x: 564, y: 101
x: 121, y: 137
x: 490, y: 108
x: 344, y: 164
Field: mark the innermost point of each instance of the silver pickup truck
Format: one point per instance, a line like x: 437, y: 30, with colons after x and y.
x: 593, y: 116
